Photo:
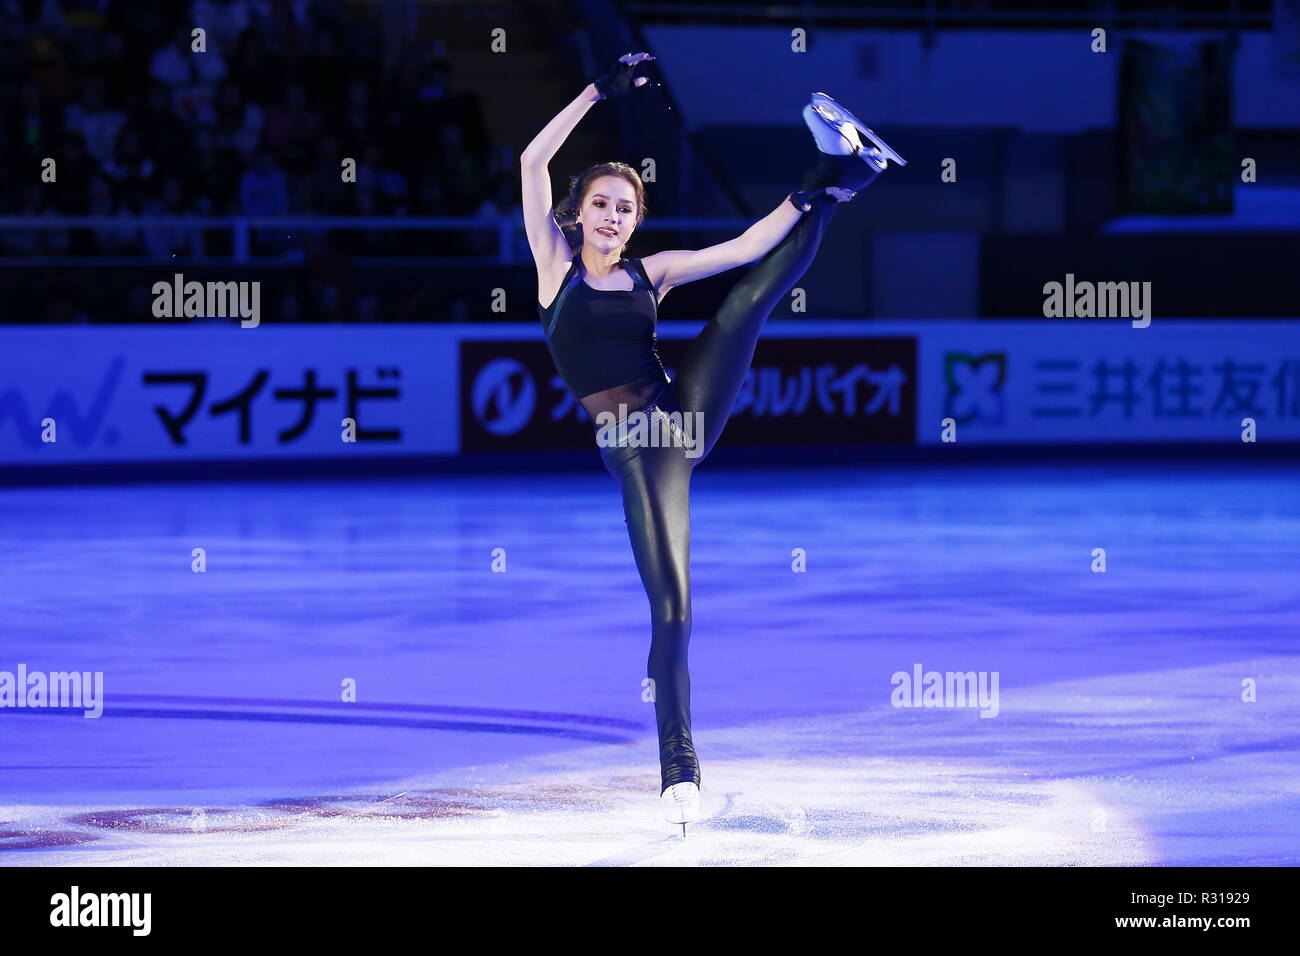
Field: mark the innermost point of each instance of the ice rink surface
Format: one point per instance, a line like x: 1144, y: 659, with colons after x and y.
x: 499, y: 715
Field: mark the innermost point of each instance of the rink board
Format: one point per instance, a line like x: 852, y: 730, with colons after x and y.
x: 136, y: 394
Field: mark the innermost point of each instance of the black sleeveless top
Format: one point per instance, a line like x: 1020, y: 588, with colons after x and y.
x: 602, y: 338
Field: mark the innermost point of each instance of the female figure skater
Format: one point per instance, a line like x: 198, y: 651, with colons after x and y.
x: 598, y: 310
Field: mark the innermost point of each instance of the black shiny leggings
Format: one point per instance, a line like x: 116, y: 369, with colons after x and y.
x: 656, y: 481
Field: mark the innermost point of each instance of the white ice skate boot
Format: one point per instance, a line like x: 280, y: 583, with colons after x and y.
x: 838, y: 131
x: 849, y: 155
x: 681, y: 803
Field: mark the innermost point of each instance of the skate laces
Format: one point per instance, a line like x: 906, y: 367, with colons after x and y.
x: 681, y: 795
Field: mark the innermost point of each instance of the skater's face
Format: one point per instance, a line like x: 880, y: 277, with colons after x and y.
x: 608, y: 213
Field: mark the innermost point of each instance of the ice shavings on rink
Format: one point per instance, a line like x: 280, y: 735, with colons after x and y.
x: 1099, y: 772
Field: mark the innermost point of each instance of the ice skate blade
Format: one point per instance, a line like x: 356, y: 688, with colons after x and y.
x: 848, y: 125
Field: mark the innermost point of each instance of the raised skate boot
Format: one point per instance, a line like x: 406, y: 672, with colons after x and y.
x: 844, y: 159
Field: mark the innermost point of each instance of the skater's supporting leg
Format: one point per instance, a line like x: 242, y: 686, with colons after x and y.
x: 656, y: 503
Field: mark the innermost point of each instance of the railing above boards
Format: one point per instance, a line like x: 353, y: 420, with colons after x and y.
x: 960, y: 14
x: 507, y: 230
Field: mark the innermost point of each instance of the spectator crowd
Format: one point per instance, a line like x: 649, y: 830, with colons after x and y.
x: 257, y: 124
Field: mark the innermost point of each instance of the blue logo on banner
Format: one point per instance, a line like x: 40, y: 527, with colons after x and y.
x: 975, y: 387
x: 503, y: 396
x: 63, y: 409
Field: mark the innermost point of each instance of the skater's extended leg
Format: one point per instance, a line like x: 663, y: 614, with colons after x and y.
x: 710, y: 376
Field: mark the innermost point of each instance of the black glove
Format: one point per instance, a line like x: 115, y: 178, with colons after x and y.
x: 808, y: 197
x: 620, y: 79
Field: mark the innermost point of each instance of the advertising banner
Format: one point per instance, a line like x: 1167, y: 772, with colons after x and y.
x: 814, y: 390
x: 1105, y: 381
x: 79, y: 394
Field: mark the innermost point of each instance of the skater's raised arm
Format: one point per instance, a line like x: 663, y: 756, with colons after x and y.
x: 545, y: 238
x: 675, y: 267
